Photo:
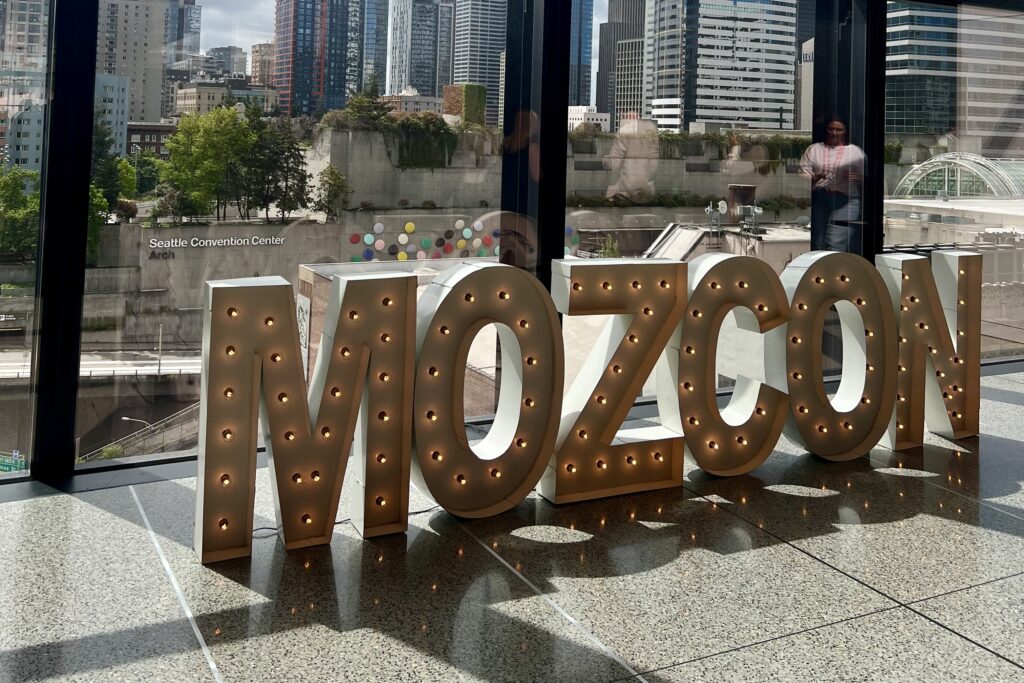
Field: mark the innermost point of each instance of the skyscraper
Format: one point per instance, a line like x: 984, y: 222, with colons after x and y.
x: 720, y: 64
x: 318, y: 56
x: 23, y: 41
x: 581, y: 37
x: 479, y: 42
x: 413, y: 47
x: 131, y: 43
x: 445, y: 43
x: 625, y: 22
x: 233, y: 58
x: 629, y: 81
x: 375, y: 43
x: 262, y: 69
x: 182, y: 27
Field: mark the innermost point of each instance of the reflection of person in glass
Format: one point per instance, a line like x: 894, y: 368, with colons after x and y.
x: 836, y: 171
x: 633, y: 159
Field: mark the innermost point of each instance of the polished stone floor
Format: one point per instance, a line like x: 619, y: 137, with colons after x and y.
x: 893, y: 567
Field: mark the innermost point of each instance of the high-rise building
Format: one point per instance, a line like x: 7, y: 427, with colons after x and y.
x: 375, y: 43
x: 629, y: 81
x: 712, y: 63
x: 806, y: 14
x: 233, y: 58
x: 581, y: 37
x: 445, y: 43
x: 111, y: 107
x: 956, y: 71
x: 23, y: 48
x: 479, y: 42
x: 318, y: 56
x: 262, y: 64
x: 182, y: 27
x: 625, y: 22
x: 413, y: 47
x: 130, y: 43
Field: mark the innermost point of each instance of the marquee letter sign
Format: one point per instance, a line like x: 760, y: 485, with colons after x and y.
x: 388, y: 383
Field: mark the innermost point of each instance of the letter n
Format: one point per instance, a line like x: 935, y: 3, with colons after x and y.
x: 361, y: 391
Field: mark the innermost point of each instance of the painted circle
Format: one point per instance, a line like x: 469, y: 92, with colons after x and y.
x: 426, y: 242
x: 481, y: 253
x: 467, y: 233
x: 410, y: 227
x: 496, y: 233
x: 448, y: 234
x: 368, y: 239
x: 461, y: 244
x: 477, y: 242
x: 478, y: 226
x: 488, y: 240
x: 411, y: 248
x: 439, y: 242
x: 448, y: 248
x: 420, y: 255
x: 357, y: 259
x: 403, y: 256
x: 403, y: 239
x: 464, y: 253
x: 379, y: 244
x: 354, y: 239
x: 436, y: 255
x: 393, y: 249
x: 568, y: 251
x: 378, y: 228
x: 497, y: 251
x: 368, y: 254
x: 460, y: 224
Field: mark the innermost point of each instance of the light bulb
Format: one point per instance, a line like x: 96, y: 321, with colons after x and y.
x: 797, y: 340
x: 386, y: 338
x: 742, y: 284
x: 461, y: 479
x: 570, y: 468
x: 713, y: 445
x: 798, y: 375
x: 843, y: 278
x: 648, y: 311
x: 860, y: 302
x: 637, y: 285
x: 759, y: 410
x: 269, y: 322
x: 630, y: 460
x: 276, y: 357
x: 714, y: 285
x: 665, y: 284
x: 530, y: 403
x: 696, y: 314
x: 436, y: 455
x: 470, y: 298
x: 346, y: 352
x: 848, y: 426
x: 223, y: 524
x: 227, y: 434
x: 381, y: 458
x: 229, y: 393
x: 602, y: 465
x: 315, y: 476
x: 496, y: 473
x: 694, y: 421
x: 380, y: 501
x: 307, y: 520
x: 354, y: 315
x: 658, y: 457
x: 433, y: 372
x: 803, y: 410
x: 524, y: 324
x: 802, y: 307
x: 388, y: 302
x: 687, y: 386
x: 819, y: 280
x: 385, y: 377
x: 225, y: 480
x: 336, y: 392
x: 383, y: 416
x: 762, y: 308
x: 577, y: 287
x: 690, y: 350
x: 445, y: 330
x: 741, y: 440
x: 633, y: 338
x: 521, y: 443
x: 297, y: 478
x: 326, y: 432
x: 531, y: 360
x: 432, y: 416
x: 583, y: 434
x: 283, y: 398
x: 823, y: 429
x: 233, y: 312
x: 289, y: 436
x: 607, y: 286
x: 617, y: 369
x: 601, y: 400
x: 230, y: 351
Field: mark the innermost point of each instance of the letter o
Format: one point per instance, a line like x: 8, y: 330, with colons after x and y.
x: 499, y: 471
x: 851, y: 423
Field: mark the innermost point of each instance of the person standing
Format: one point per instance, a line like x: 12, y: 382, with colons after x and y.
x: 836, y: 171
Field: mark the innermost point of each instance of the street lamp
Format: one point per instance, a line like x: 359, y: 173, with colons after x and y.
x: 125, y: 418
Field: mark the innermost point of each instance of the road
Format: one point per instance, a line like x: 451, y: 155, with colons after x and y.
x: 18, y: 364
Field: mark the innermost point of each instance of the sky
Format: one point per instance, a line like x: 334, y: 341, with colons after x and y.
x: 247, y: 22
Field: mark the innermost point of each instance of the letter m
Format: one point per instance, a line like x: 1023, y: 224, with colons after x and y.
x: 360, y: 393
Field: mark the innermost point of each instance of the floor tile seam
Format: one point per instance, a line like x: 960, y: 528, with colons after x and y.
x: 182, y: 601
x: 978, y: 501
x: 781, y: 636
x: 1019, y: 665
x: 802, y: 551
x: 612, y: 654
x: 961, y: 590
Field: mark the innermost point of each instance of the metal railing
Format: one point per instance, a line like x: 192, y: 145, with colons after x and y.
x: 174, y: 429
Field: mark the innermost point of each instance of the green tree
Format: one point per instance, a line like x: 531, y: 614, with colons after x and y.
x: 106, y: 169
x: 609, y: 248
x: 19, y: 212
x: 365, y: 110
x: 148, y: 171
x: 126, y: 174
x: 98, y: 213
x: 332, y: 191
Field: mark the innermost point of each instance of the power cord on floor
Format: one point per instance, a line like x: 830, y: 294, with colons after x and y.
x: 273, y: 530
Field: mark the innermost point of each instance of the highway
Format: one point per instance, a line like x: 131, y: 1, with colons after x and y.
x: 17, y: 364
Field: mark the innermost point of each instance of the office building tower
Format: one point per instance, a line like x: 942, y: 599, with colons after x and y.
x: 445, y: 43
x: 625, y: 22
x: 130, y: 43
x: 629, y: 81
x: 23, y: 50
x: 581, y: 37
x: 502, y: 59
x: 182, y: 27
x: 111, y: 107
x: 805, y: 20
x: 957, y: 72
x: 262, y: 64
x: 479, y: 42
x: 233, y: 58
x: 720, y: 65
x: 318, y: 56
x: 413, y: 47
x: 375, y: 44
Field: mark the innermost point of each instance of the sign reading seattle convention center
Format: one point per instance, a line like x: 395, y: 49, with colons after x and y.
x: 385, y: 401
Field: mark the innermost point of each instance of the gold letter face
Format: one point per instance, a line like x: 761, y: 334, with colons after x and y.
x: 939, y: 311
x: 739, y: 438
x: 495, y: 474
x: 251, y: 343
x: 851, y: 423
x: 645, y: 300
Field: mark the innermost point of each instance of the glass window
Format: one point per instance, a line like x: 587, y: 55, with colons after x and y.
x: 22, y: 108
